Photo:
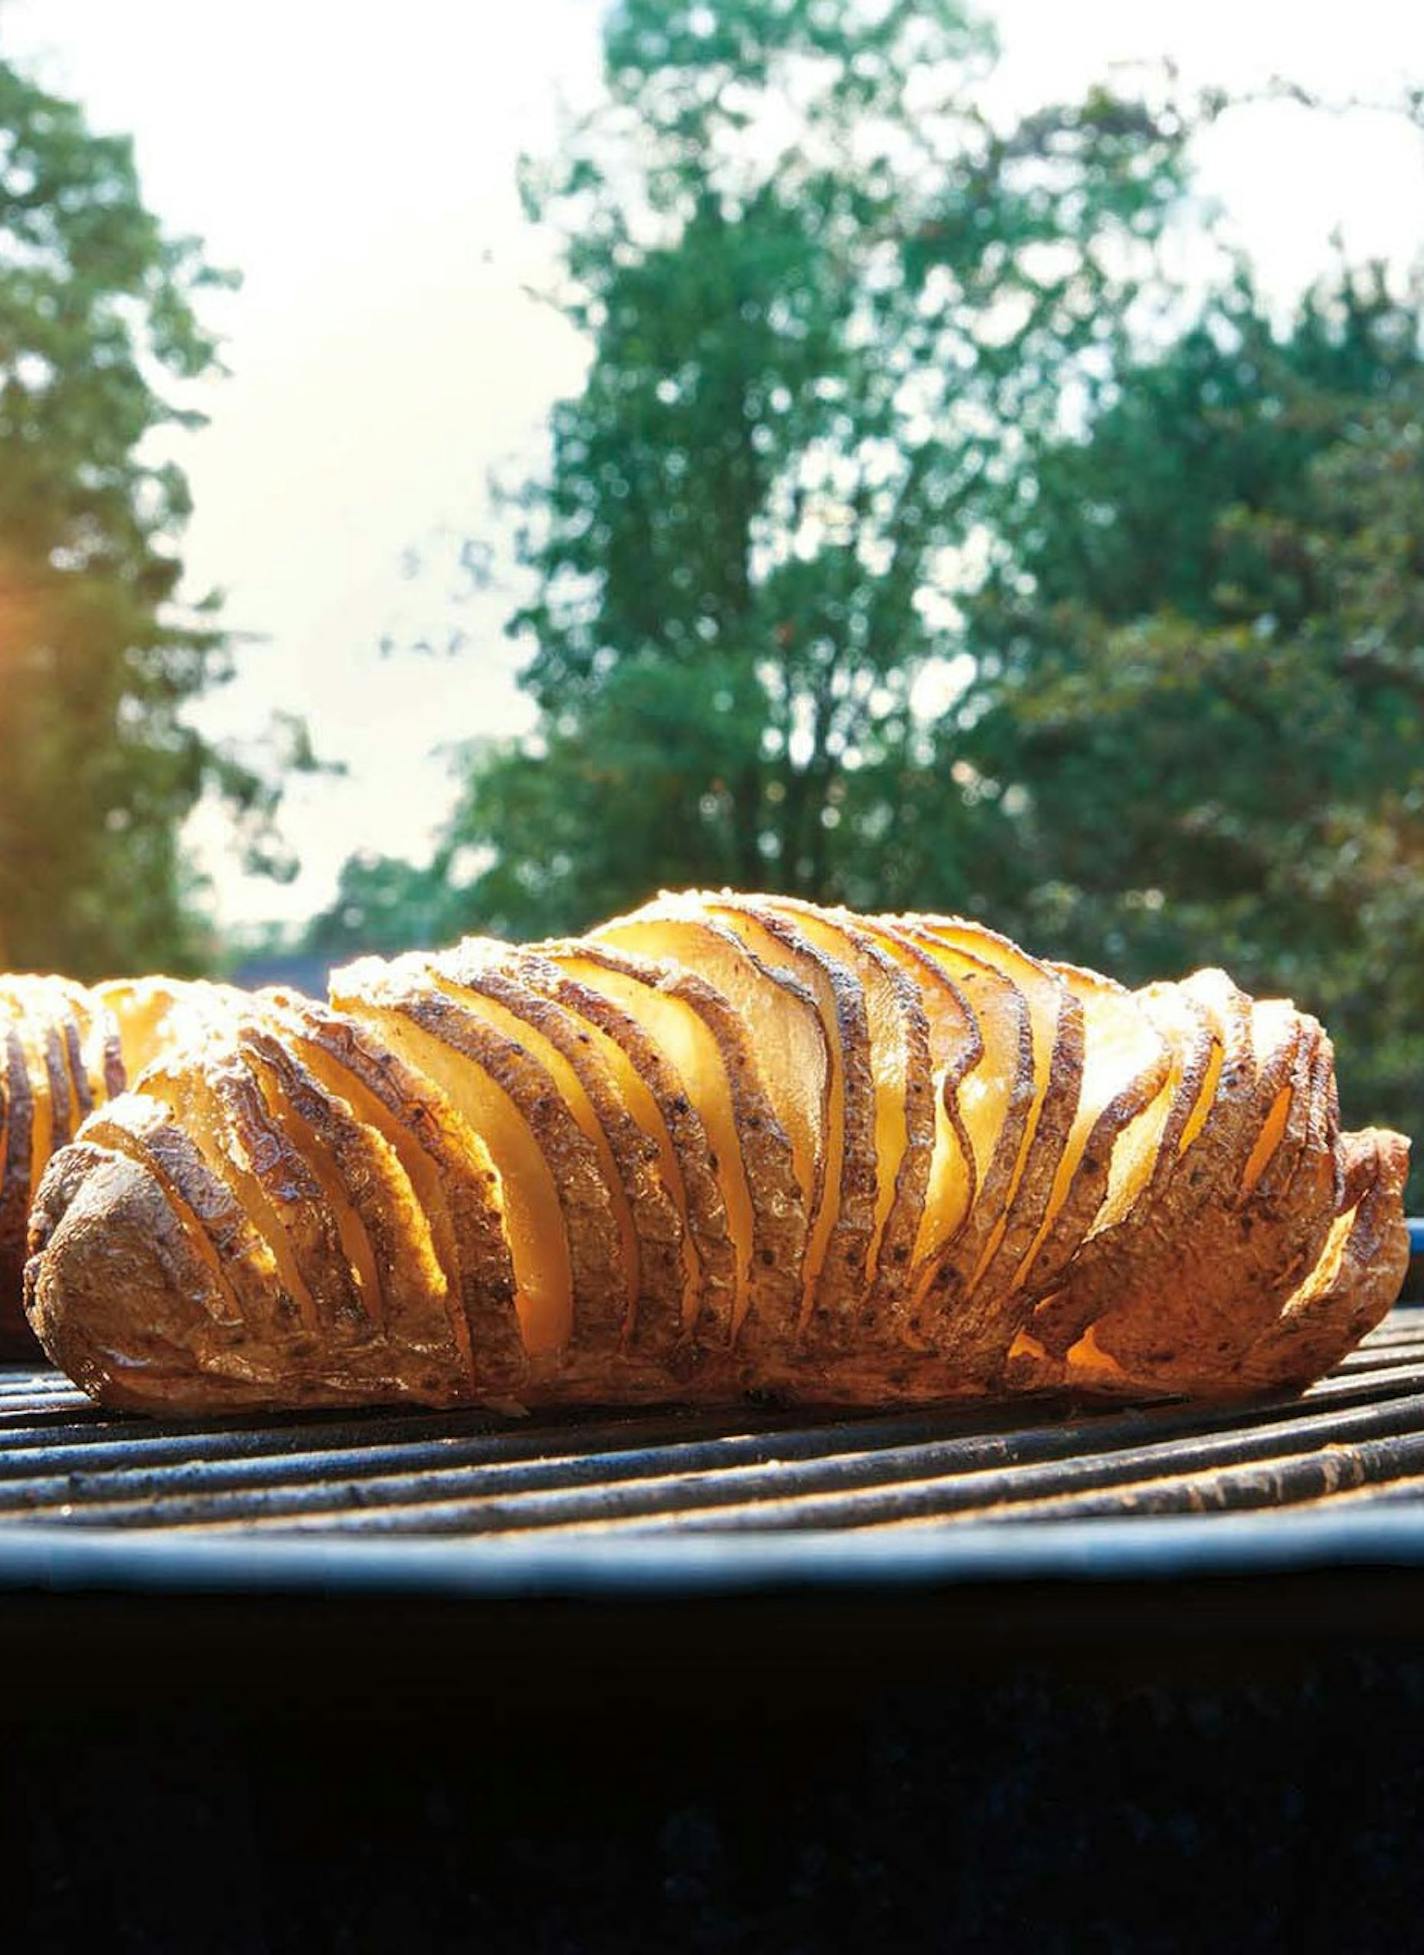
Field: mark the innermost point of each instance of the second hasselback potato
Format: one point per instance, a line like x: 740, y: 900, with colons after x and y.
x: 724, y: 1144
x: 65, y: 1049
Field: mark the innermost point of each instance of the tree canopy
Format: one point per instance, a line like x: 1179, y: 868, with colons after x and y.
x: 99, y: 324
x: 915, y: 540
x: 1200, y: 661
x: 828, y: 300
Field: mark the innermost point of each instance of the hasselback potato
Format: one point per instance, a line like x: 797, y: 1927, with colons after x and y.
x: 725, y: 1144
x: 64, y: 1050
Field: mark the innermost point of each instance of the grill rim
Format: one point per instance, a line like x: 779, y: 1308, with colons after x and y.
x: 1097, y: 1552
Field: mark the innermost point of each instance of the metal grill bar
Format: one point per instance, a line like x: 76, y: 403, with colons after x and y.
x: 1355, y: 1439
x: 856, y: 1474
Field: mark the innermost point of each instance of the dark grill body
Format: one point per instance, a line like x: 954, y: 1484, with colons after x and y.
x: 979, y: 1678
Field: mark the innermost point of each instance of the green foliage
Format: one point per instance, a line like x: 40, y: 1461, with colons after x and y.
x: 383, y: 905
x: 828, y: 302
x: 910, y: 543
x: 97, y: 658
x: 1200, y: 662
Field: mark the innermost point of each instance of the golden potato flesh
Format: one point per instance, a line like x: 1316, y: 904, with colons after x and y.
x: 577, y: 973
x: 449, y: 1169
x: 1126, y: 1066
x: 903, y: 1086
x: 705, y: 1042
x: 840, y: 1238
x: 956, y: 1048
x: 791, y: 1046
x: 484, y: 978
x: 995, y: 1100
x: 383, y: 1228
x: 1052, y: 1025
x: 467, y: 1063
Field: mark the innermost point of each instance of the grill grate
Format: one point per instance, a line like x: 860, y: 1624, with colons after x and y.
x: 650, y: 1483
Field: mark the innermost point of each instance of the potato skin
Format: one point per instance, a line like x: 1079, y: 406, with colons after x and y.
x: 448, y: 1161
x: 104, y: 1234
x: 106, y: 1239
x: 59, y: 1056
x: 836, y: 1307
x: 949, y: 1274
x: 1356, y: 1279
x: 17, y: 1106
x: 891, y: 996
x: 570, y: 973
x: 795, y: 1076
x: 636, y: 1186
x: 246, y: 1232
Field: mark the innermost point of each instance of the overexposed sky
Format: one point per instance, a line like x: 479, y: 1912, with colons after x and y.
x: 355, y: 162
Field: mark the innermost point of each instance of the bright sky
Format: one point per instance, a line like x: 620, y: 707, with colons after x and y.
x: 356, y: 164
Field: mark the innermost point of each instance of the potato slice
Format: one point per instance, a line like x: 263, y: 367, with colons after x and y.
x: 449, y: 1168
x: 140, y: 1007
x: 790, y: 1039
x: 1235, y: 1219
x: 288, y: 1200
x: 101, y: 1051
x: 1283, y: 1054
x: 1126, y: 1066
x: 179, y: 1129
x: 65, y: 1005
x: 485, y: 977
x: 1296, y: 1194
x: 383, y: 1229
x: 1147, y: 1147
x: 429, y: 1044
x: 147, y: 1128
x: 30, y: 1010
x: 904, y: 1092
x: 1223, y: 1126
x: 956, y: 1048
x: 705, y: 1040
x: 63, y: 1113
x: 1053, y: 1029
x: 1320, y: 1160
x: 838, y: 1247
x: 657, y: 1094
x: 19, y: 1111
x: 1296, y: 1141
x: 571, y: 1281
x: 316, y: 1137
x: 111, y: 1238
x: 46, y: 1019
x: 995, y: 1099
x: 316, y: 1296
x: 157, y: 1016
x: 1356, y: 1276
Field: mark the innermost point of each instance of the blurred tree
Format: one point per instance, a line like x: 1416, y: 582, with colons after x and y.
x: 829, y: 300
x: 1198, y: 715
x: 383, y: 904
x: 97, y: 657
x: 911, y: 543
